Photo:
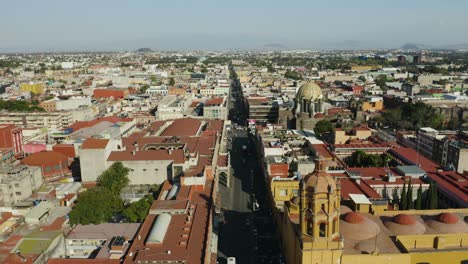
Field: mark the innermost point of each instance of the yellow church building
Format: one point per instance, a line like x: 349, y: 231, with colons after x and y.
x: 316, y: 229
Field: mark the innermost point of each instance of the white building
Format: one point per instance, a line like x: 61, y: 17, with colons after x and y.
x: 93, y: 157
x: 172, y: 107
x: 18, y: 183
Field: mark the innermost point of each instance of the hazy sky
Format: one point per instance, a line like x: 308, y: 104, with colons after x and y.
x: 66, y: 25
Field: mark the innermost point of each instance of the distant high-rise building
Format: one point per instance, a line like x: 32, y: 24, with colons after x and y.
x: 417, y: 59
x: 401, y: 59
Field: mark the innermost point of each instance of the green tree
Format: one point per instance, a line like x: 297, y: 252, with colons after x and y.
x: 381, y: 80
x: 403, y: 199
x: 292, y: 75
x: 418, y: 204
x: 171, y: 81
x: 453, y: 124
x: 362, y: 78
x: 21, y: 106
x: 322, y: 127
x: 144, y: 87
x: 409, y: 196
x: 137, y: 211
x: 432, y: 199
x: 114, y: 179
x: 95, y: 206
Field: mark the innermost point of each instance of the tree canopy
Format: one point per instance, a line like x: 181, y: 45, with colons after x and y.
x: 171, y: 81
x: 115, y: 178
x: 293, y: 75
x: 100, y: 204
x: 144, y: 87
x: 360, y: 158
x: 137, y: 211
x: 95, y: 206
x: 413, y: 116
x: 20, y: 106
x: 322, y: 127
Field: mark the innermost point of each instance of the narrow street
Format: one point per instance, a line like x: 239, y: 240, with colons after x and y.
x: 247, y: 234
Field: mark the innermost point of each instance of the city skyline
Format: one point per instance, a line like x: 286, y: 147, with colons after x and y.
x: 53, y: 26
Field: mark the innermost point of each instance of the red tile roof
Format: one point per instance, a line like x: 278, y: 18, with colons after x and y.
x: 186, y: 241
x: 364, y: 145
x: 336, y: 110
x: 45, y: 158
x: 453, y: 184
x: 279, y: 169
x: 223, y: 160
x: 177, y: 155
x: 183, y: 127
x: 322, y: 150
x: 84, y: 261
x: 94, y: 143
x: 214, y: 101
x: 66, y: 149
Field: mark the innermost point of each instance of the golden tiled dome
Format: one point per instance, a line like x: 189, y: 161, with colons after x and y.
x: 309, y: 91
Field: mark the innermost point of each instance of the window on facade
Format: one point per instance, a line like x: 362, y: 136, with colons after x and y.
x: 295, y: 192
x: 322, y: 229
x: 48, y: 169
x: 283, y: 192
x: 18, y: 193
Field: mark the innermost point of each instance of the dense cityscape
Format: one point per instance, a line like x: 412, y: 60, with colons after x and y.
x: 233, y: 132
x: 234, y: 157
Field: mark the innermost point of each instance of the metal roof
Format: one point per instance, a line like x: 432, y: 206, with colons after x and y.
x: 410, y: 170
x: 359, y: 198
x: 159, y: 229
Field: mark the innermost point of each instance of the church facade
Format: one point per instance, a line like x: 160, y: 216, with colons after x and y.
x: 316, y: 229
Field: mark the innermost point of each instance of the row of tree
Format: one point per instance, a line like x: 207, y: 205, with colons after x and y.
x: 431, y: 199
x: 103, y: 203
x: 413, y: 116
x: 293, y: 75
x: 360, y: 158
x: 20, y: 106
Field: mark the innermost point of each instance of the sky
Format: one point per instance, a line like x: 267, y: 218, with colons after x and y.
x: 113, y: 25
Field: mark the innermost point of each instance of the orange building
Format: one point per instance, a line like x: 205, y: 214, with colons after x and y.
x: 176, y: 91
x: 373, y: 105
x: 54, y: 165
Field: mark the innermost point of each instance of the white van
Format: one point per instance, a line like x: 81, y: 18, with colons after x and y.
x: 231, y: 260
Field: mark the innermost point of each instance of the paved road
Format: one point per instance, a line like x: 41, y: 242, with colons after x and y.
x: 246, y: 235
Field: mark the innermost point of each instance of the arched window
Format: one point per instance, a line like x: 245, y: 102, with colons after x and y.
x: 322, y: 229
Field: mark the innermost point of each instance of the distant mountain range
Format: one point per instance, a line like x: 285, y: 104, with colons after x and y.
x: 144, y: 50
x: 415, y: 46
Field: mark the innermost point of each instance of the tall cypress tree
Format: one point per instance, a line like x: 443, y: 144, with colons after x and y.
x: 427, y: 202
x: 435, y: 198
x: 403, y: 196
x: 409, y: 196
x: 418, y: 205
